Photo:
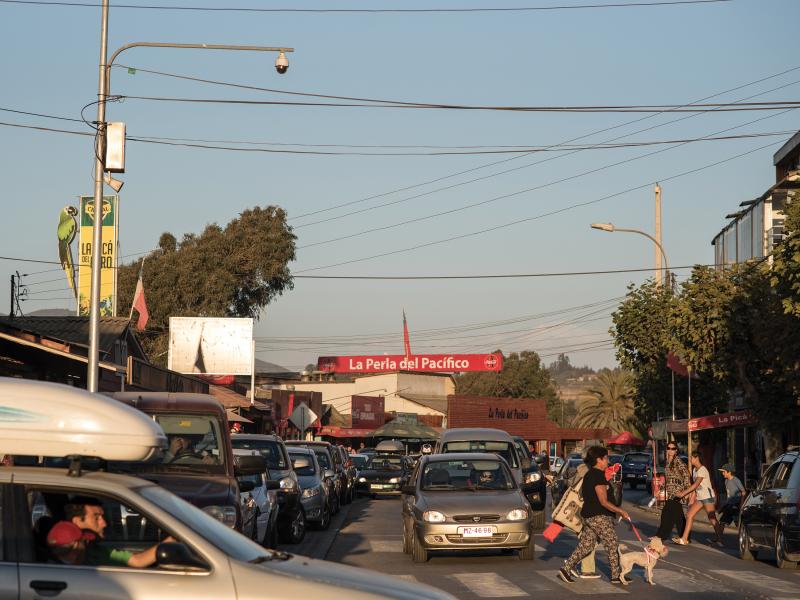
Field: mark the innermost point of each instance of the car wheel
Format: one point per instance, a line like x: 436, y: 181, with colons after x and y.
x: 298, y: 528
x: 746, y: 552
x: 537, y: 521
x: 418, y: 552
x: 633, y: 485
x: 780, y: 551
x: 335, y: 504
x: 529, y: 551
x: 406, y: 539
x: 325, y: 518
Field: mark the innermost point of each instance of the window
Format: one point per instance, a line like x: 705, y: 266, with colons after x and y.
x: 758, y: 230
x: 193, y: 439
x: 271, y: 450
x: 323, y: 459
x: 471, y: 475
x: 730, y: 244
x: 782, y: 475
x: 768, y: 477
x: 306, y: 471
x: 503, y: 449
x: 745, y: 237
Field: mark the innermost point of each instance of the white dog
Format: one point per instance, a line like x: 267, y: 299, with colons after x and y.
x: 647, y: 559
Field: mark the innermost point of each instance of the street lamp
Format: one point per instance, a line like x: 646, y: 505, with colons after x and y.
x: 609, y: 227
x: 281, y: 65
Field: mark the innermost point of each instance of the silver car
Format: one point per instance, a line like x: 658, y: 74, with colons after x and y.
x: 259, y: 502
x: 465, y: 501
x: 315, y: 492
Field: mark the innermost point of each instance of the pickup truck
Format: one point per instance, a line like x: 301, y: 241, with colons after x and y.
x: 634, y: 468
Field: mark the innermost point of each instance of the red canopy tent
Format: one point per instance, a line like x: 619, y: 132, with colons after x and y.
x: 626, y: 438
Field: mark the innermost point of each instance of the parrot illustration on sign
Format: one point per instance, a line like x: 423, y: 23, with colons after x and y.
x: 67, y: 226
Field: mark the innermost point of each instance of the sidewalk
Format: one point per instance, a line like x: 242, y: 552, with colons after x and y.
x: 701, y: 517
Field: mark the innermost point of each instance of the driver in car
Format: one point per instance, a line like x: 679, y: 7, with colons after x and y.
x: 182, y: 450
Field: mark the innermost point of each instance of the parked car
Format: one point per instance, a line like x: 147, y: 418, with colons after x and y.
x: 614, y: 459
x: 384, y: 475
x: 536, y: 484
x: 350, y: 475
x: 316, y: 496
x: 556, y: 462
x: 291, y: 518
x: 207, y: 561
x: 634, y: 468
x: 465, y: 501
x: 199, y: 465
x: 326, y: 457
x: 359, y: 461
x: 770, y: 514
x: 259, y: 501
x: 562, y: 478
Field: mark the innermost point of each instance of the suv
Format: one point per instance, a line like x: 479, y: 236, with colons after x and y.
x: 350, y: 473
x: 199, y: 465
x: 291, y: 519
x: 536, y: 484
x: 635, y: 468
x: 770, y: 514
x: 330, y: 461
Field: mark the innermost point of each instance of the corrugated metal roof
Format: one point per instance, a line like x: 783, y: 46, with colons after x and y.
x: 71, y: 330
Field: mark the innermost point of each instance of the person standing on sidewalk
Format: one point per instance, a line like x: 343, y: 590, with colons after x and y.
x: 706, y: 498
x: 676, y: 479
x: 598, y: 517
x: 734, y: 490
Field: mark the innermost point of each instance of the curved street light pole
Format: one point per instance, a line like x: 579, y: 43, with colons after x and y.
x: 611, y: 229
x: 92, y: 379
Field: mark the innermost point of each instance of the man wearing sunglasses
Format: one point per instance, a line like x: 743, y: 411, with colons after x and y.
x: 676, y: 479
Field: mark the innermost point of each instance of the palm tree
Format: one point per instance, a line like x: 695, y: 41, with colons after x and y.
x: 612, y: 404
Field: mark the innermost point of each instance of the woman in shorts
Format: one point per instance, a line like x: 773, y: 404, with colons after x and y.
x: 706, y: 499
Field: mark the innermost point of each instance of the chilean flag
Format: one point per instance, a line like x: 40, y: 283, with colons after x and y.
x: 674, y: 362
x: 406, y: 340
x: 140, y: 304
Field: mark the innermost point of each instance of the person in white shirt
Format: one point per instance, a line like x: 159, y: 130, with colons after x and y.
x: 706, y: 499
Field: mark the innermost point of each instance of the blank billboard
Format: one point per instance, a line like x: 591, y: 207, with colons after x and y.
x: 211, y: 346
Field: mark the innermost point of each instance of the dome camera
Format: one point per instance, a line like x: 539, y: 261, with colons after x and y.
x: 281, y: 63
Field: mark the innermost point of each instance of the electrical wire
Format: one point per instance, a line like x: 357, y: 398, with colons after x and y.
x: 373, y: 11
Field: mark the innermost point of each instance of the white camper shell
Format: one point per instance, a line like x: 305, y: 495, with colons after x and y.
x: 208, y: 560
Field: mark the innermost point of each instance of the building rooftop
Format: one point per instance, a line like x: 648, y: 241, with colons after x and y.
x: 70, y: 330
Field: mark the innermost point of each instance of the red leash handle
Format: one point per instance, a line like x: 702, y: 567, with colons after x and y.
x: 635, y: 531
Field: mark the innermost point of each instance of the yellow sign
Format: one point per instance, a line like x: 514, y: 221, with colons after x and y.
x: 108, y: 256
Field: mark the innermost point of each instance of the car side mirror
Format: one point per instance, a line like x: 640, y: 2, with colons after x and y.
x: 329, y: 474
x: 249, y: 465
x: 538, y: 459
x: 271, y: 484
x: 409, y: 490
x: 178, y: 557
x: 246, y: 486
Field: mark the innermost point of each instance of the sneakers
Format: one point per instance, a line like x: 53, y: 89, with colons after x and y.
x: 565, y: 575
x: 593, y: 575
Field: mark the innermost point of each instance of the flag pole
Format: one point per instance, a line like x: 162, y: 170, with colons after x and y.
x: 688, y: 431
x: 141, y: 269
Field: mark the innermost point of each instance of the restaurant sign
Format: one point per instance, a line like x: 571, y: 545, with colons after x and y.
x: 431, y: 363
x: 734, y: 419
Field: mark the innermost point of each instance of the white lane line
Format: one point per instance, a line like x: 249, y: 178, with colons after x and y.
x: 386, y: 545
x: 587, y: 587
x: 765, y: 582
x: 489, y: 585
x: 684, y: 582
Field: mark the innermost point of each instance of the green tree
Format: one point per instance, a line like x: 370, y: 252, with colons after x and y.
x: 786, y: 258
x: 522, y: 376
x: 231, y: 271
x: 612, y: 404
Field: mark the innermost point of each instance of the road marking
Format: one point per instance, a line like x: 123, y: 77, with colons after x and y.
x: 765, y: 582
x: 588, y: 587
x: 489, y: 585
x: 386, y: 545
x: 684, y: 581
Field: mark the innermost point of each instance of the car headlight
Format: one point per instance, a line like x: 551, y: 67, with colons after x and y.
x: 518, y: 514
x: 532, y: 477
x: 224, y: 514
x: 362, y: 480
x: 433, y: 516
x: 287, y: 483
x: 311, y: 492
x: 394, y: 480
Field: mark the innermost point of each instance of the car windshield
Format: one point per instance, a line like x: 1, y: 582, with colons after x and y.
x: 388, y: 462
x: 503, y: 449
x: 323, y: 459
x: 257, y: 479
x: 214, y: 532
x: 523, y: 450
x: 638, y: 458
x: 462, y: 475
x: 613, y: 459
x: 302, y: 471
x: 359, y: 460
x: 269, y: 449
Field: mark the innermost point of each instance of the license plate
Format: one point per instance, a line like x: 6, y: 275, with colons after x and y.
x: 476, y: 531
x: 376, y: 486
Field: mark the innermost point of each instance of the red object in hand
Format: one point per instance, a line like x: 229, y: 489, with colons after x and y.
x: 551, y: 531
x: 613, y: 470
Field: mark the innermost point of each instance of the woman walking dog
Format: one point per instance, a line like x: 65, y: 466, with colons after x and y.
x: 706, y: 499
x: 598, y: 518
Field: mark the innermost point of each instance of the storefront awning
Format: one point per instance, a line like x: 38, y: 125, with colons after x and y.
x: 344, y: 432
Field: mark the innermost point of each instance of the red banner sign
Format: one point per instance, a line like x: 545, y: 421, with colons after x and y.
x: 431, y: 363
x: 734, y: 419
x: 367, y: 412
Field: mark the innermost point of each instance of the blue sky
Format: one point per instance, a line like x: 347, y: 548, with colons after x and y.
x: 663, y: 55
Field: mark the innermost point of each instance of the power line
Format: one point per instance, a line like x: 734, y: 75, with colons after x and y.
x: 532, y: 218
x: 497, y: 9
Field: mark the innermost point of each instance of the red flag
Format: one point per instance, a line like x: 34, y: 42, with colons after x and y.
x: 406, y: 340
x: 674, y: 363
x: 140, y: 304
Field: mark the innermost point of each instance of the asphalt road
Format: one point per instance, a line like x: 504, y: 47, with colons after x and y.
x: 370, y: 536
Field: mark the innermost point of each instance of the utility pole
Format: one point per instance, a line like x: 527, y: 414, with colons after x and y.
x: 11, y: 311
x: 658, y: 236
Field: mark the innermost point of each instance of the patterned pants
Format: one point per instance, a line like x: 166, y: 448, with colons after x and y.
x: 597, y: 528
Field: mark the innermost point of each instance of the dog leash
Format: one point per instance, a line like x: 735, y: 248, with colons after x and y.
x: 639, y: 537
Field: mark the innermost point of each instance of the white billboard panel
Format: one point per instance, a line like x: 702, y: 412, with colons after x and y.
x: 211, y: 346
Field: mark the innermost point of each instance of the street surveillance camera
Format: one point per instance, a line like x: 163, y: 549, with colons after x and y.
x: 114, y: 184
x: 281, y: 63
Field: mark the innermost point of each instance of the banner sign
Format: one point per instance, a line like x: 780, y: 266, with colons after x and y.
x: 431, y: 363
x: 367, y: 412
x: 734, y: 419
x: 211, y: 345
x: 108, y: 256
